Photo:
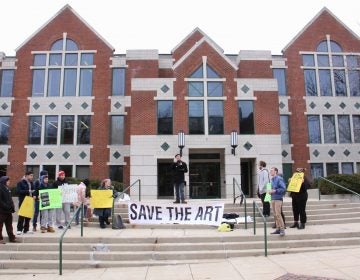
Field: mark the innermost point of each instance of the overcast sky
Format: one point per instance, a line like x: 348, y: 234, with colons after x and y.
x: 161, y: 24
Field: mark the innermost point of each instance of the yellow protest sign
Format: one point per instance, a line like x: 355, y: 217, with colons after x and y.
x: 27, y: 207
x: 101, y: 199
x: 295, y: 182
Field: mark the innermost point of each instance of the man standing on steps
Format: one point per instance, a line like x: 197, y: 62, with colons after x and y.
x: 263, y: 179
x: 277, y: 192
x: 179, y: 168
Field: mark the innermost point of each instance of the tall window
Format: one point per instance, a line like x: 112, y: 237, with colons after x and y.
x: 347, y: 168
x: 118, y: 81
x: 285, y: 131
x: 4, y: 130
x: 314, y: 129
x: 83, y: 130
x: 332, y: 168
x: 6, y: 82
x: 329, y: 129
x: 116, y: 173
x: 280, y: 76
x: 117, y: 130
x: 317, y: 170
x: 63, y: 71
x: 35, y: 125
x: 246, y: 117
x: 51, y: 129
x: 165, y: 117
x: 356, y: 127
x: 67, y: 130
x: 331, y: 72
x: 344, y: 129
x: 205, y: 95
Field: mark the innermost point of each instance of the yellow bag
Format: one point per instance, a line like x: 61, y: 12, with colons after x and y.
x: 27, y: 207
x: 225, y: 227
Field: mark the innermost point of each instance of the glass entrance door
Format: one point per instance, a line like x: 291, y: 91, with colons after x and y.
x: 204, y: 180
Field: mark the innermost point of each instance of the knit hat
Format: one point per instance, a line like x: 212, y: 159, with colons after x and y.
x: 4, y: 179
x: 61, y: 173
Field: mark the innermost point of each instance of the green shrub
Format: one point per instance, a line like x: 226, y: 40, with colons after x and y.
x: 349, y: 181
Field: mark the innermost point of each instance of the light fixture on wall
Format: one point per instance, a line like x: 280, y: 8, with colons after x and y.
x: 181, y: 141
x: 234, y: 141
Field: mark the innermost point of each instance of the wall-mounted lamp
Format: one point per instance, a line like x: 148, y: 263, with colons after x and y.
x: 234, y: 141
x: 181, y: 141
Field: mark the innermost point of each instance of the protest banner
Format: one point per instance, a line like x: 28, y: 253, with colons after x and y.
x: 27, y: 207
x: 209, y: 213
x: 68, y: 193
x: 50, y: 199
x: 101, y: 199
x: 295, y: 182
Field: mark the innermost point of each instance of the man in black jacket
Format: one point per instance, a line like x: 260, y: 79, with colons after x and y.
x: 24, y: 188
x: 179, y: 168
x: 7, y: 207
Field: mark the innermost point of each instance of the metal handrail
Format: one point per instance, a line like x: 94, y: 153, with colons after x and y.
x: 264, y: 220
x: 81, y: 209
x: 337, y: 185
x: 242, y: 198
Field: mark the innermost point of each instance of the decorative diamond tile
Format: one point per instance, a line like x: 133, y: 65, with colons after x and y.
x: 83, y: 155
x: 1, y: 155
x: 49, y: 155
x: 312, y: 105
x: 66, y: 155
x: 68, y: 105
x: 116, y: 155
x: 165, y: 146
x: 36, y: 106
x: 52, y: 106
x: 342, y: 105
x: 316, y: 153
x: 4, y: 106
x: 357, y: 105
x: 33, y: 155
x: 245, y: 88
x: 84, y: 105
x: 117, y: 105
x: 284, y: 153
x: 247, y: 146
x: 346, y: 152
x: 165, y: 88
x: 282, y: 105
x: 327, y: 105
x: 331, y: 153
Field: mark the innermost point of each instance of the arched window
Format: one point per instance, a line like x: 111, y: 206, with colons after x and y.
x: 323, y: 47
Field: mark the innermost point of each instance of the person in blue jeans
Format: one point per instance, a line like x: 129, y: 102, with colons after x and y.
x: 277, y: 192
x: 36, y: 201
x: 179, y: 168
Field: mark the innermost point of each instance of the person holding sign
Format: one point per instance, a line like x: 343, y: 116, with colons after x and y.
x: 24, y: 188
x: 61, y: 180
x: 7, y: 207
x: 47, y: 214
x: 299, y: 197
x: 263, y: 180
x: 277, y: 193
x: 179, y: 168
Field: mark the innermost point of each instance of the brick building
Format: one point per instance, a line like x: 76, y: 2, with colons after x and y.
x: 68, y: 101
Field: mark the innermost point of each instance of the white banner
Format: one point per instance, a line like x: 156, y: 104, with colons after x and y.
x: 209, y: 213
x: 68, y: 193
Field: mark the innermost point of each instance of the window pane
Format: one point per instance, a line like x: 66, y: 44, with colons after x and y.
x: 3, y: 170
x: 51, y: 128
x: 354, y: 83
x: 116, y: 173
x: 329, y: 129
x: 322, y: 47
x: 39, y: 59
x: 198, y: 73
x: 7, y: 81
x: 340, y: 82
x: 38, y: 83
x: 347, y: 168
x: 338, y: 60
x: 67, y: 130
x: 216, y: 117
x: 85, y: 82
x: 55, y: 59
x: 356, y: 126
x: 215, y: 89
x: 71, y: 59
x: 51, y: 169
x: 308, y: 60
x: 57, y: 46
x: 317, y: 170
x: 344, y: 129
x: 35, y: 169
x: 4, y: 130
x: 69, y: 82
x: 246, y: 117
x: 82, y: 172
x: 279, y: 75
x: 196, y: 117
x: 284, y: 126
x: 196, y: 89
x: 165, y: 117
x: 323, y: 60
x: 71, y: 45
x: 35, y: 125
x: 211, y: 73
x: 335, y: 47
x: 87, y: 59
x: 54, y: 82
x: 332, y: 168
x: 83, y: 130
x: 314, y: 129
x: 310, y: 82
x: 118, y: 81
x: 67, y: 169
x: 117, y: 130
x: 353, y: 61
x: 325, y: 83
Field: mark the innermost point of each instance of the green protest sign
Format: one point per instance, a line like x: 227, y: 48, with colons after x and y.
x: 50, y: 199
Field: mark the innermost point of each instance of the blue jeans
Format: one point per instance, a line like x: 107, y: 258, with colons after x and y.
x: 36, y: 213
x: 78, y: 214
x: 179, y: 191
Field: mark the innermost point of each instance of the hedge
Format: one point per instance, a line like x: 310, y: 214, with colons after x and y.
x: 349, y: 181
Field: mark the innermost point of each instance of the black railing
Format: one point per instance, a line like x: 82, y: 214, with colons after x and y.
x: 255, y: 206
x: 242, y: 197
x: 335, y: 184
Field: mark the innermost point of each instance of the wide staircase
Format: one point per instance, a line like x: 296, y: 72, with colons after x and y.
x: 332, y: 224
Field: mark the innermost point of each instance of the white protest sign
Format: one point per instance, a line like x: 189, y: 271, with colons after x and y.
x: 209, y: 213
x: 68, y: 193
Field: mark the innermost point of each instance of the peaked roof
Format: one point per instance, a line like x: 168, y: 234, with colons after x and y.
x: 67, y: 6
x: 322, y: 11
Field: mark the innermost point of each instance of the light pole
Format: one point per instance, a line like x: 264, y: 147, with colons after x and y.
x: 181, y: 141
x: 234, y: 141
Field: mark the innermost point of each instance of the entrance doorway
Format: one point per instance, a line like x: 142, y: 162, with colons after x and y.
x: 165, y: 177
x: 247, y: 177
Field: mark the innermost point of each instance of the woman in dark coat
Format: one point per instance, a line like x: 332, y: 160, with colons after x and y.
x: 7, y: 207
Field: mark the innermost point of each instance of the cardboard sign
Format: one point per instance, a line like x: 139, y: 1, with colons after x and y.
x: 27, y: 207
x: 50, y: 199
x: 68, y: 193
x: 295, y: 182
x: 101, y: 199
